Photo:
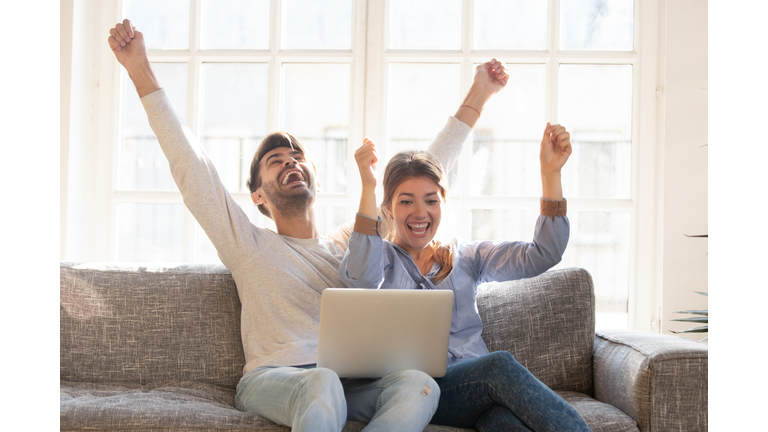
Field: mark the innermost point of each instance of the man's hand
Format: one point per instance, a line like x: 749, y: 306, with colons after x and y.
x: 490, y: 78
x: 128, y: 46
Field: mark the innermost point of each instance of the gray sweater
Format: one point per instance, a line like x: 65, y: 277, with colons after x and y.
x: 279, y: 279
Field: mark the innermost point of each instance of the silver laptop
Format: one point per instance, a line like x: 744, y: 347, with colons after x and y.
x: 370, y: 333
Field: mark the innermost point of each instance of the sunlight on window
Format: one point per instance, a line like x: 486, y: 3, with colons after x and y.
x: 234, y: 117
x: 597, y: 25
x: 510, y: 25
x: 235, y: 24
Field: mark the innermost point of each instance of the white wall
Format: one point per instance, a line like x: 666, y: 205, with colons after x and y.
x: 85, y: 144
x: 685, y: 162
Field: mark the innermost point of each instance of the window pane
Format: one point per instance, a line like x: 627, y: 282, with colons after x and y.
x: 150, y: 232
x: 311, y: 24
x: 511, y: 25
x: 425, y: 24
x: 599, y: 243
x: 235, y: 24
x: 329, y: 219
x: 234, y: 117
x: 316, y: 112
x: 142, y: 164
x: 597, y: 25
x: 164, y: 23
x: 504, y: 224
x: 595, y: 105
x: 505, y: 149
x: 421, y: 96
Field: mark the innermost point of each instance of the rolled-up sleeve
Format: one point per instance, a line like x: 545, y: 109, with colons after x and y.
x: 362, y: 266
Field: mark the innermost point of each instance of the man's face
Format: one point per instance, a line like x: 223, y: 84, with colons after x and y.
x: 288, y: 183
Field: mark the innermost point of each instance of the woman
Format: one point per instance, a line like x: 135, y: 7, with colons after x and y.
x: 480, y: 390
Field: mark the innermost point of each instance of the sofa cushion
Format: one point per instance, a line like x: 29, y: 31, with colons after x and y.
x: 599, y: 416
x: 147, y: 325
x: 547, y: 322
x: 180, y: 406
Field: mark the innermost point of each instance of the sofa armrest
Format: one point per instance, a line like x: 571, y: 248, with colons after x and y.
x: 658, y: 380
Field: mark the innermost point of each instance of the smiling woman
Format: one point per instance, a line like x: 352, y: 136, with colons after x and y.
x: 510, y: 397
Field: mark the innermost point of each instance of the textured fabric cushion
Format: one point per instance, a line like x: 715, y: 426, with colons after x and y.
x: 145, y: 325
x: 659, y: 380
x: 179, y: 406
x: 547, y: 323
x: 599, y: 416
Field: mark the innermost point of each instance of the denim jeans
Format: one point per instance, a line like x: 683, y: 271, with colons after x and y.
x: 316, y: 399
x: 496, y: 393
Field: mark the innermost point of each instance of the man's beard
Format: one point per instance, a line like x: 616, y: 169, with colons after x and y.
x: 291, y: 203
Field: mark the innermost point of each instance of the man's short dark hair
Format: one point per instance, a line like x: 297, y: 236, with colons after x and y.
x: 269, y: 143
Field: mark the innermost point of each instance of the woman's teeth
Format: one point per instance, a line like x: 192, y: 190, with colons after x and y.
x: 419, y: 228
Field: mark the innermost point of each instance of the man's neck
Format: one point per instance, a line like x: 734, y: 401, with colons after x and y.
x: 300, y: 226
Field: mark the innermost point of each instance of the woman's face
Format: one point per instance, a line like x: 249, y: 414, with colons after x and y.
x: 416, y: 207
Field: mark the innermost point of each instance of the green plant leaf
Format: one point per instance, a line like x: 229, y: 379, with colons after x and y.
x: 704, y: 312
x: 702, y: 293
x: 696, y: 320
x: 704, y: 329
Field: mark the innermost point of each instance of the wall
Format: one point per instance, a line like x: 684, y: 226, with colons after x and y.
x: 685, y: 262
x: 83, y: 156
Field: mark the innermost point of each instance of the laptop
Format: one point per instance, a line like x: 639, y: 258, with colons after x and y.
x: 370, y: 333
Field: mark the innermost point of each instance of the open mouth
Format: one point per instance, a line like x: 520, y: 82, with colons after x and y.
x: 419, y: 229
x: 291, y: 177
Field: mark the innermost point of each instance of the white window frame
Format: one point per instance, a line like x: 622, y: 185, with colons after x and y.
x: 367, y: 118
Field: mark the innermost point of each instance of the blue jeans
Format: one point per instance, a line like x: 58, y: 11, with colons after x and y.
x: 496, y: 393
x: 316, y: 399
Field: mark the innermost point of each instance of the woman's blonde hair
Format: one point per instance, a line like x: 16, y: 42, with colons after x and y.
x: 407, y: 165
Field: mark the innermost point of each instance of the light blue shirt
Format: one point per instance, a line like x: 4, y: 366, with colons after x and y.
x: 371, y: 262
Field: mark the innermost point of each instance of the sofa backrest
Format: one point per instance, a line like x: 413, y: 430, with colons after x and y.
x: 149, y: 325
x: 547, y: 322
x: 133, y: 324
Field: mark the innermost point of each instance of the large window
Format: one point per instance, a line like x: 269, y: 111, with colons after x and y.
x: 333, y: 72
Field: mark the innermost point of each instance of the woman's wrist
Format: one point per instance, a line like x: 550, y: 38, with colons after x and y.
x: 551, y: 186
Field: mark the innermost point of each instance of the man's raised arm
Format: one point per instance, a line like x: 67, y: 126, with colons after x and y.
x: 490, y: 78
x: 222, y: 219
x: 130, y: 51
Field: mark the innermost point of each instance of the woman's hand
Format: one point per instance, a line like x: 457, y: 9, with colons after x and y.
x: 555, y: 149
x: 554, y: 153
x: 366, y: 157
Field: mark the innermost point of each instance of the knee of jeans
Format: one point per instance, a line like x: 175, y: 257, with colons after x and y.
x: 502, y: 359
x: 322, y: 380
x: 420, y: 382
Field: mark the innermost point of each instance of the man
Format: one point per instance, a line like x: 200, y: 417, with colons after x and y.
x: 280, y: 276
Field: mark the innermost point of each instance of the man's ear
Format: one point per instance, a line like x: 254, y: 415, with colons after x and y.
x: 258, y: 197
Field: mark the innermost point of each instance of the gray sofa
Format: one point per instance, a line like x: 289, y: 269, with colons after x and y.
x: 158, y: 348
